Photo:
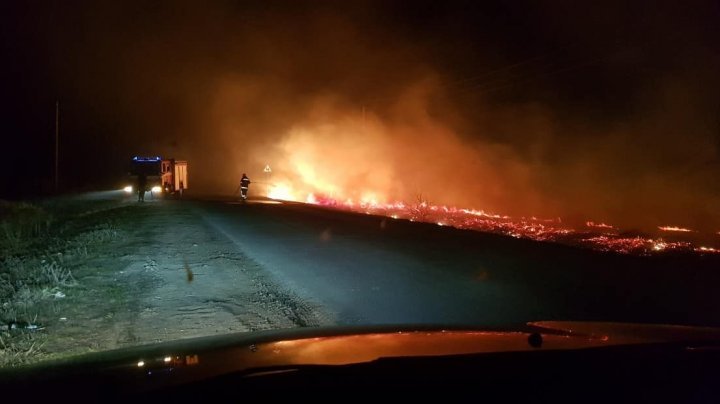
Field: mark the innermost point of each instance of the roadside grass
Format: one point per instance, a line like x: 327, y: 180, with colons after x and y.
x: 21, y: 349
x: 21, y: 224
x: 39, y: 250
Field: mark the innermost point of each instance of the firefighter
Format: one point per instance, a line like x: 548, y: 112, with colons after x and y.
x: 244, y: 185
x: 141, y: 185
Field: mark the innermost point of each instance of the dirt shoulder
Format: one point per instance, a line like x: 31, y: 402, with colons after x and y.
x: 160, y: 273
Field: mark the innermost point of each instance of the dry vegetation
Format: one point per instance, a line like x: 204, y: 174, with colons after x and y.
x: 39, y: 248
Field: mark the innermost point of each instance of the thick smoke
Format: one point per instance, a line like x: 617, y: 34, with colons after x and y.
x: 373, y: 100
x: 377, y: 119
x: 349, y: 153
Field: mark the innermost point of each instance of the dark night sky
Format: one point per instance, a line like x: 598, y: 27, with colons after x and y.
x: 607, y: 110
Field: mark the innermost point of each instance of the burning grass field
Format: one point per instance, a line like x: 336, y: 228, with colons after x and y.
x: 593, y: 235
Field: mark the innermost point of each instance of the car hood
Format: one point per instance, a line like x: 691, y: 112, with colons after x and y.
x: 199, y: 358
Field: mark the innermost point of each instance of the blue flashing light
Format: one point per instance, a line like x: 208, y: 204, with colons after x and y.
x: 146, y: 159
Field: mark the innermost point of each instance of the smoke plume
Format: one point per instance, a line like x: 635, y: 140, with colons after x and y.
x: 607, y: 114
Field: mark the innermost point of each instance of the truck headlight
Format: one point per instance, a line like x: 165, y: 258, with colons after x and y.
x: 156, y: 188
x: 128, y: 189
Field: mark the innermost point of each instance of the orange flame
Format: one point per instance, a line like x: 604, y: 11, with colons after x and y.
x: 675, y: 228
x: 282, y: 192
x: 600, y: 225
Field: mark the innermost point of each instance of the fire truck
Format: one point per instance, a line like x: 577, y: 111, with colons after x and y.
x: 174, y: 176
x: 166, y: 176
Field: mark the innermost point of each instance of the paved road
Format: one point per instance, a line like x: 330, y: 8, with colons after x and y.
x: 372, y: 270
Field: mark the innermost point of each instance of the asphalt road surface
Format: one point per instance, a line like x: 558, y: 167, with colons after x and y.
x: 366, y: 269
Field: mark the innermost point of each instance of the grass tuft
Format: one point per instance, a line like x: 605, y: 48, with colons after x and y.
x: 20, y: 223
x: 19, y: 348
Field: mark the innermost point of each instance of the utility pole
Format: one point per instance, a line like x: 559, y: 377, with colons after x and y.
x: 57, y: 142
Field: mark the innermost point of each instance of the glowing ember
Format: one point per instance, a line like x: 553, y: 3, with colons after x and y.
x: 597, y: 235
x: 622, y: 245
x: 599, y: 225
x: 659, y: 246
x: 482, y: 213
x: 674, y: 228
x: 532, y: 228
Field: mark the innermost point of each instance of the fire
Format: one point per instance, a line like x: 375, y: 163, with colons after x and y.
x: 659, y: 246
x: 406, y: 165
x: 534, y: 228
x: 600, y: 225
x: 483, y: 213
x: 282, y: 192
x: 598, y: 236
x: 675, y: 228
x: 327, y: 165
